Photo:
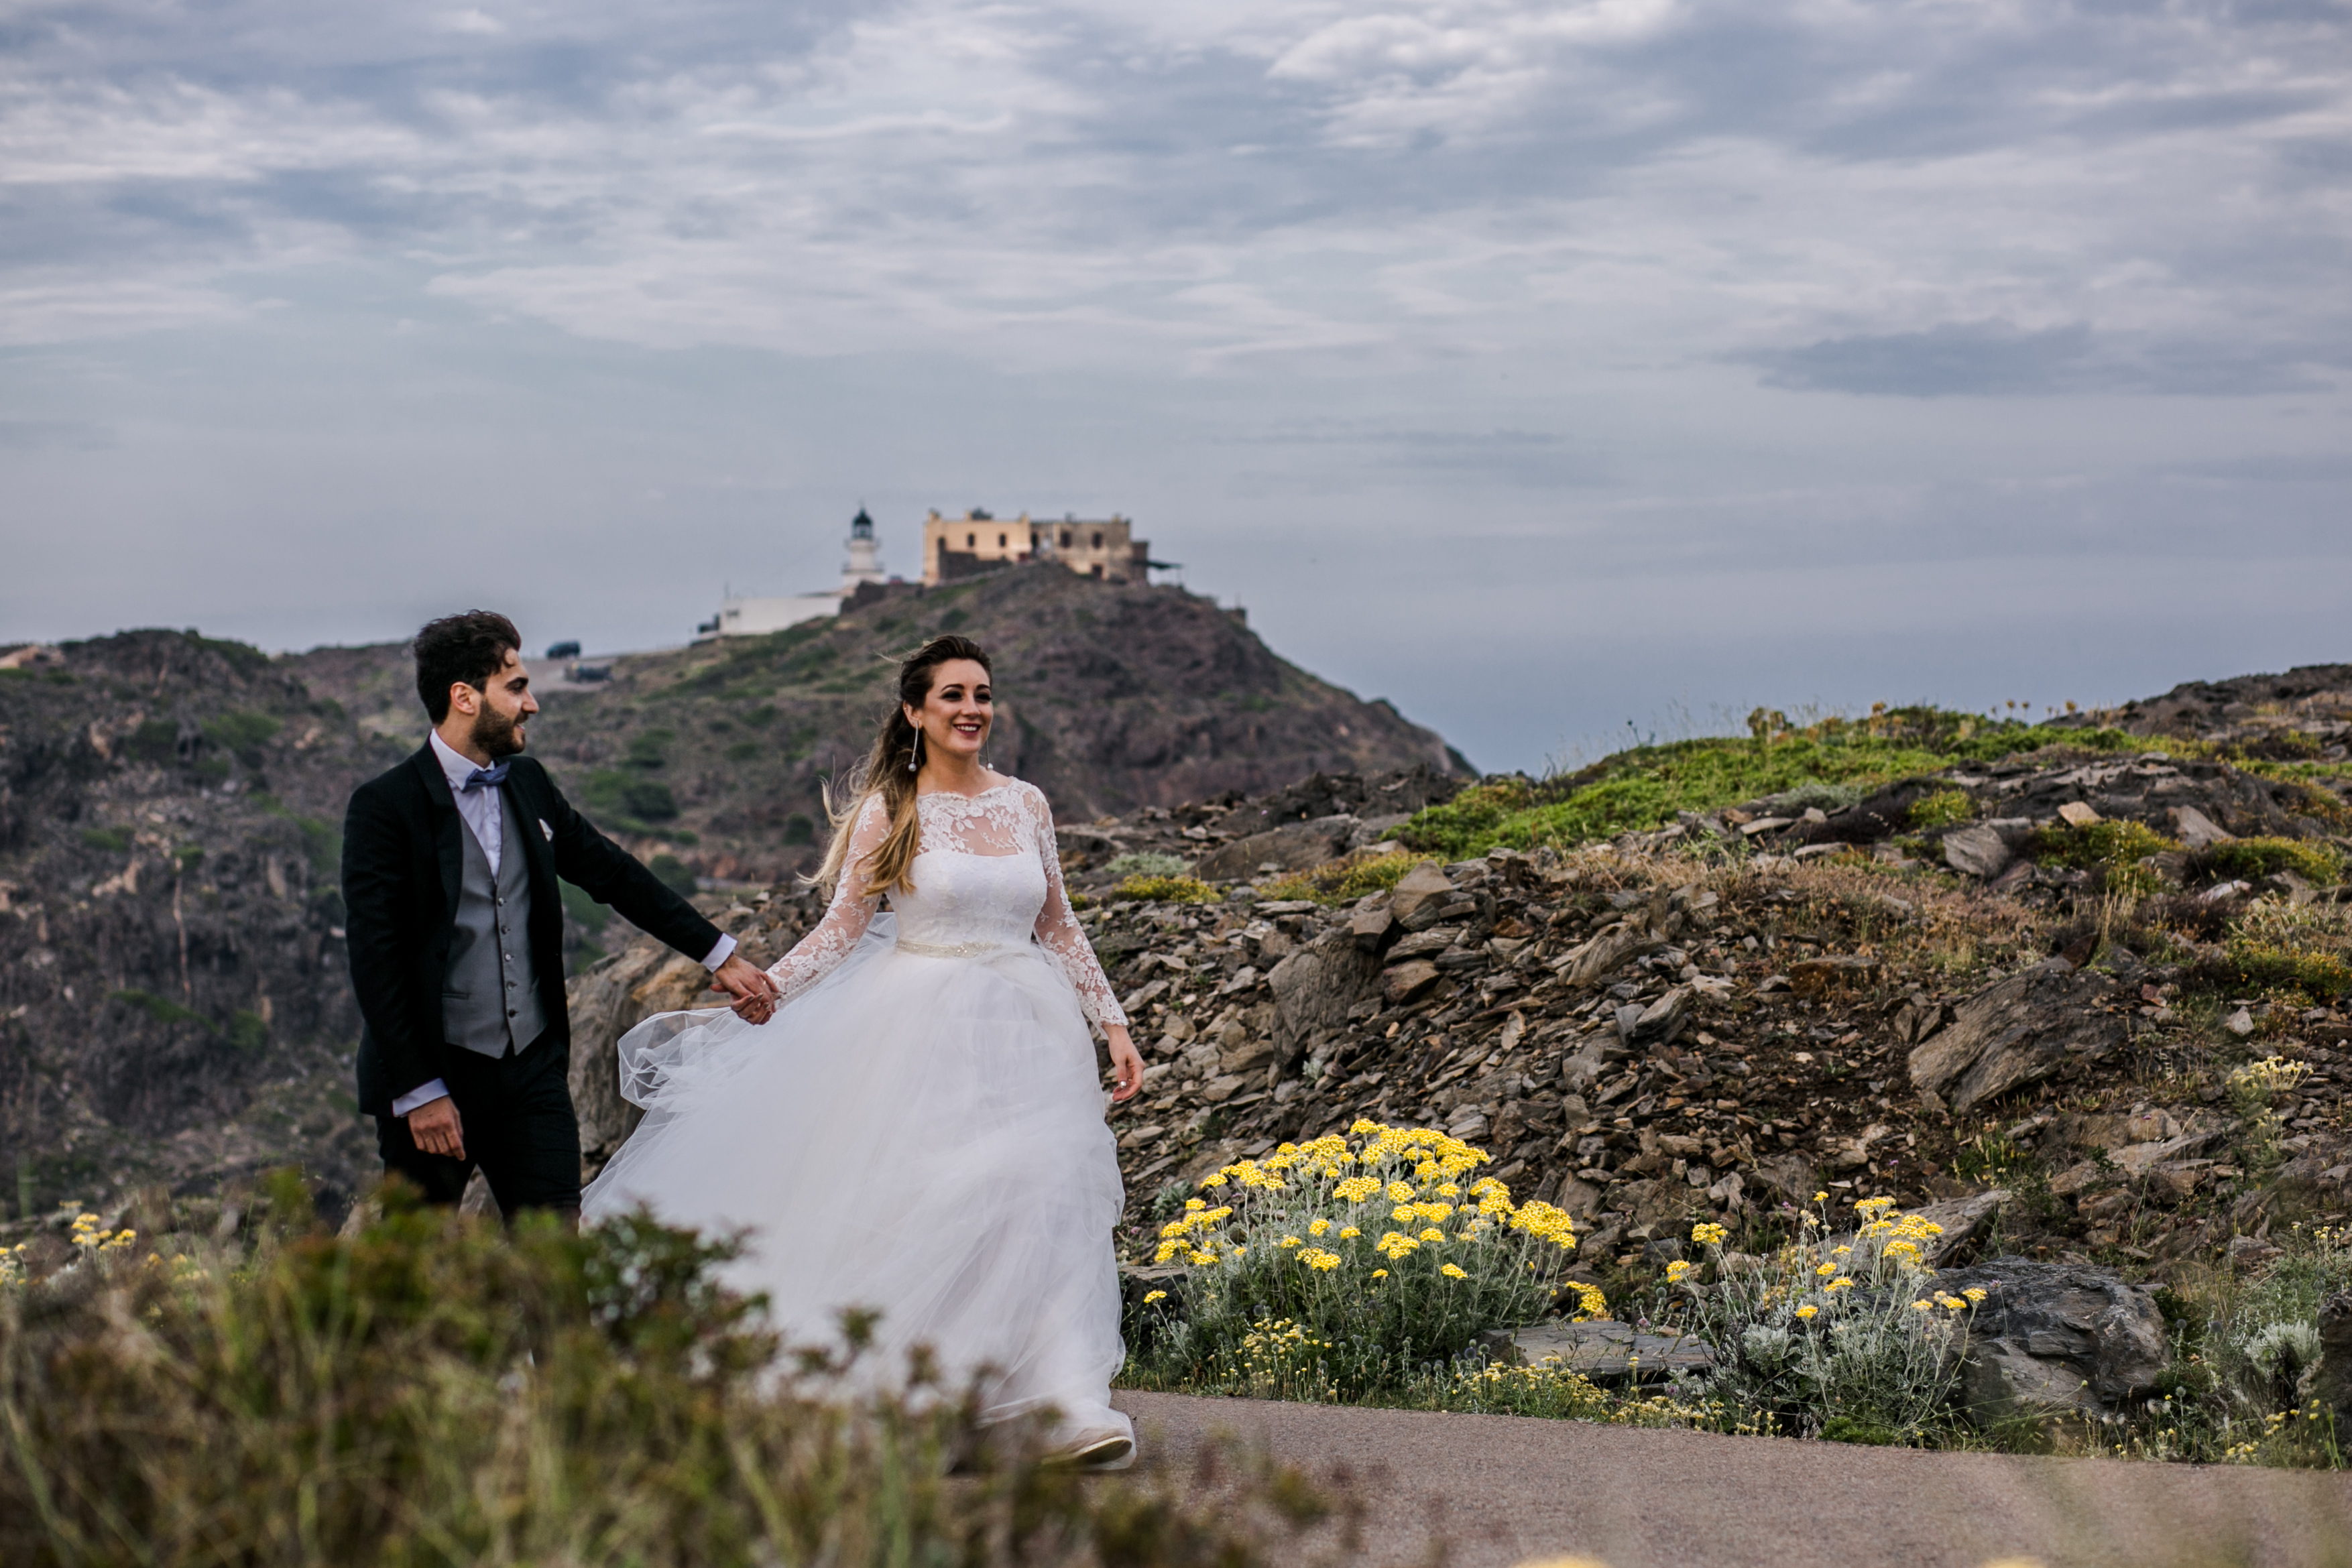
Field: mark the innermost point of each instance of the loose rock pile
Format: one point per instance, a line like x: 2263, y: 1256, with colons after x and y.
x: 1717, y: 1020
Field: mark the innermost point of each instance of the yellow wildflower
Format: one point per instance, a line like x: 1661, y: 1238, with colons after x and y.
x: 1348, y: 1233
x: 1152, y: 1296
x: 1451, y: 1272
x: 1677, y: 1271
x: 1807, y: 1310
x: 1318, y: 1226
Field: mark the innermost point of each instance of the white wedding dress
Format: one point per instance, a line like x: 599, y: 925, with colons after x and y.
x: 920, y: 1128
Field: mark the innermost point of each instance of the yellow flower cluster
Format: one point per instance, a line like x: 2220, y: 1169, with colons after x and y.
x: 1590, y: 1303
x: 1452, y: 1272
x: 89, y: 1232
x: 2269, y: 1075
x: 1319, y: 1260
x: 1677, y: 1271
x: 1708, y: 1235
x: 1194, y: 1237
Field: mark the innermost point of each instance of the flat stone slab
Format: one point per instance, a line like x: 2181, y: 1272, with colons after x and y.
x: 1602, y: 1350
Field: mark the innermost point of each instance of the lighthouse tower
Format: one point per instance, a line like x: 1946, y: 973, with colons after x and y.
x: 865, y: 562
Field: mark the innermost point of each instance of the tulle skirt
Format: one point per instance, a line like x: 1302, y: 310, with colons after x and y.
x: 921, y: 1135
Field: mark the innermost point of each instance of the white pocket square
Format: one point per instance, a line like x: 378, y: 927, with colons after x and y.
x: 546, y: 830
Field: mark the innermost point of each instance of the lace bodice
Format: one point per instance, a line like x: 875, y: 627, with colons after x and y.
x: 988, y: 873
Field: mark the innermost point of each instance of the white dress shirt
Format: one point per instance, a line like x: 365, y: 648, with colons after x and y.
x: 487, y: 822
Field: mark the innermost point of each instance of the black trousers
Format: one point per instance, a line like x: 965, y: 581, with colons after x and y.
x: 516, y: 1116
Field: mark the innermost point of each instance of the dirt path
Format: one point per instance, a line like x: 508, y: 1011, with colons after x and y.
x: 1506, y: 1490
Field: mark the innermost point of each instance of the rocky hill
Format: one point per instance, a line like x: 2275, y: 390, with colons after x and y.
x: 174, y: 1001
x: 1110, y: 697
x: 2027, y: 974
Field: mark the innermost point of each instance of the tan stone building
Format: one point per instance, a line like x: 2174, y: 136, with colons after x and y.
x: 979, y: 541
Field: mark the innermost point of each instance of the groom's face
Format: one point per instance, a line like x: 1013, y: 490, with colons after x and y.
x: 506, y: 706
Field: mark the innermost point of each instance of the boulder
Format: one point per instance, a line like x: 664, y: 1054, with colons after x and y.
x: 1601, y: 1350
x: 1294, y: 846
x: 2194, y: 828
x: 2018, y: 1030
x: 1403, y: 982
x: 605, y: 1003
x: 1977, y: 851
x: 1418, y: 894
x: 2055, y: 1342
x: 1315, y: 987
x: 2331, y: 1380
x: 1661, y: 1021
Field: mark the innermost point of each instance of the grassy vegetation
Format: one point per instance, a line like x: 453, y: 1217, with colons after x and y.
x: 2110, y: 844
x: 2260, y: 857
x: 1346, y: 880
x: 1167, y: 890
x: 429, y: 1390
x: 1643, y: 788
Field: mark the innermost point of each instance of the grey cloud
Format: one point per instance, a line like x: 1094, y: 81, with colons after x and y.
x: 1993, y: 358
x: 42, y: 434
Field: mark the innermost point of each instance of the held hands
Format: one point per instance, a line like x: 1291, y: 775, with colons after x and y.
x: 1125, y: 1062
x: 754, y: 992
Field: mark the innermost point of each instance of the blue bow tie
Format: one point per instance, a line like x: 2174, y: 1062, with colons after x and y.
x: 485, y: 778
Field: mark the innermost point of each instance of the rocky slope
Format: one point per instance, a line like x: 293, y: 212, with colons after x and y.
x: 1111, y: 697
x: 2028, y: 988
x: 174, y: 1001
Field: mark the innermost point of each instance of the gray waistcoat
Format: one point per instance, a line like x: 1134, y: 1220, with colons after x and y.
x: 489, y: 1002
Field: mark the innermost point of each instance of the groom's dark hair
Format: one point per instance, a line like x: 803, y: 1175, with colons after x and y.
x: 471, y: 648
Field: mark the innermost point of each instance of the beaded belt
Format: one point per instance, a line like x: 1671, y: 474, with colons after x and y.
x: 947, y: 949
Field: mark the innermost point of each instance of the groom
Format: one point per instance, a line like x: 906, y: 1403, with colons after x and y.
x: 456, y: 929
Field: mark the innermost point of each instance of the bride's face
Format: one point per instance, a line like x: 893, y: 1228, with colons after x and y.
x: 955, y: 716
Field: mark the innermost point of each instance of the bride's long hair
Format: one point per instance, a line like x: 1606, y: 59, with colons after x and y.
x: 889, y: 772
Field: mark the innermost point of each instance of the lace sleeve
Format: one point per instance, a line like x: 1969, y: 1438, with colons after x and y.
x: 819, y: 953
x: 1058, y: 930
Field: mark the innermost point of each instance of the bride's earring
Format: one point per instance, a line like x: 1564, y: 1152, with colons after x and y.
x: 915, y: 752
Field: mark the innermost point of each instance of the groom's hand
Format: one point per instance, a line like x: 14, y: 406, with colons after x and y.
x: 754, y: 992
x: 437, y: 1130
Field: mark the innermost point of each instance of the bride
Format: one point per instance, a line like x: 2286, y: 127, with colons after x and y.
x: 915, y: 1125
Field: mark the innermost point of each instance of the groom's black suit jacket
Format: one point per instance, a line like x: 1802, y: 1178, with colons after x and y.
x: 403, y: 861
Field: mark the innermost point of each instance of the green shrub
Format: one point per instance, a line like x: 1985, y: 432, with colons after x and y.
x: 114, y: 841
x: 1346, y: 880
x: 1167, y: 890
x: 616, y: 794
x: 745, y: 751
x: 2254, y: 859
x: 2251, y: 965
x: 1363, y: 1263
x: 247, y: 1032
x: 430, y: 1390
x: 2112, y: 844
x: 241, y: 732
x: 675, y: 873
x: 579, y: 904
x: 156, y: 740
x: 1149, y: 864
x: 1942, y: 809
x: 163, y: 1009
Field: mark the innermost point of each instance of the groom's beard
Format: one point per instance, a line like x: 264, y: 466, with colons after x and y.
x: 497, y: 734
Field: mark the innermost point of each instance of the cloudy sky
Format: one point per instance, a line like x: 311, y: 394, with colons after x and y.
x: 1540, y: 367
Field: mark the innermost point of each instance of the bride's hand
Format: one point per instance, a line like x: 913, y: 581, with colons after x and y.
x: 1125, y: 1062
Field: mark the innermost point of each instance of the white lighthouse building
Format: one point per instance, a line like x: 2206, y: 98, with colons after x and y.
x: 749, y: 617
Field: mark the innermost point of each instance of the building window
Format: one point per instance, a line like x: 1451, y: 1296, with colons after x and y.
x: 1098, y: 541
x: 999, y: 541
x: 1097, y: 568
x: 972, y: 541
x: 1066, y: 539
